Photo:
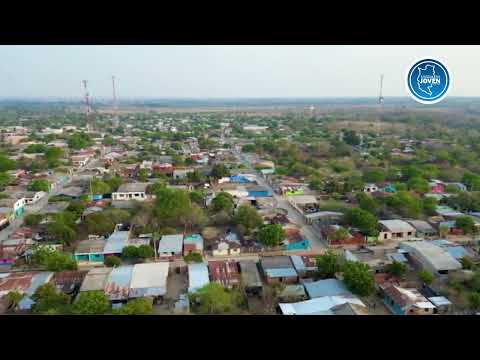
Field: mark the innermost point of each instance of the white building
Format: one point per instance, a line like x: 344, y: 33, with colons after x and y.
x: 370, y: 188
x: 131, y: 191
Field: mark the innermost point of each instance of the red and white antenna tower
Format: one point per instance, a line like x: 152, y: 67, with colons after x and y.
x: 115, y: 104
x: 88, y: 109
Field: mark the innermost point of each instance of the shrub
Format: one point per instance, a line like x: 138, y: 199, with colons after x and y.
x: 113, y: 261
x: 425, y: 276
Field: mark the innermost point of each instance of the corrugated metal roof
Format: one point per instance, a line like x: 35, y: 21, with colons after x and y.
x: 457, y: 252
x: 434, y: 255
x: 249, y: 273
x: 396, y: 225
x: 197, y: 276
x: 116, y: 242
x: 118, y: 283
x: 327, y: 287
x: 96, y: 279
x: 149, y: 279
x: 38, y: 280
x: 280, y: 272
x: 318, y: 306
x: 171, y: 243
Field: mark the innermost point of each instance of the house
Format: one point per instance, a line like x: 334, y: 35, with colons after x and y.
x: 305, y: 204
x: 318, y: 306
x: 436, y: 187
x: 31, y: 197
x: 225, y: 248
x: 197, y: 276
x: 304, y: 265
x: 422, y: 228
x: 90, y: 250
x: 80, y: 161
x: 181, y: 173
x: 69, y: 281
x: 118, y: 281
x: 397, y: 230
x: 447, y: 212
x: 131, y: 191
x: 327, y: 287
x: 370, y: 188
x: 16, y: 281
x: 117, y: 241
x: 149, y: 279
x: 38, y: 280
x: 192, y: 243
x: 279, y: 269
x: 17, y: 206
x: 96, y: 279
x: 72, y: 192
x: 349, y: 308
x: 224, y: 272
x: 406, y: 301
x: 170, y: 246
x: 431, y: 257
x: 250, y: 277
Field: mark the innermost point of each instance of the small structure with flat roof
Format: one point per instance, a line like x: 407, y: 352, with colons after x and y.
x: 96, y: 279
x: 131, y: 191
x: 250, y: 277
x: 149, y: 279
x: 398, y: 230
x: 279, y: 269
x: 118, y: 283
x: 170, y: 246
x: 318, y: 306
x: 327, y: 287
x: 116, y: 242
x: 197, y: 276
x: 433, y: 258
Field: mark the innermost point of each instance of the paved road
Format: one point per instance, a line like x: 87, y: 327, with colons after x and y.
x: 309, y: 231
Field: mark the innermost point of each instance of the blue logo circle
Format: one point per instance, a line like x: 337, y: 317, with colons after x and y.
x: 428, y: 81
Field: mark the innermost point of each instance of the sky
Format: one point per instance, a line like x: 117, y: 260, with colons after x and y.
x: 219, y: 71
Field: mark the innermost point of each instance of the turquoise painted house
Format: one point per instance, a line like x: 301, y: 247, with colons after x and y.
x: 301, y: 245
x: 390, y: 188
x: 90, y: 250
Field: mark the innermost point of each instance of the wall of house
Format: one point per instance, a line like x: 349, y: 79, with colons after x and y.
x: 393, y: 306
x: 140, y: 196
x: 220, y: 252
x: 282, y: 280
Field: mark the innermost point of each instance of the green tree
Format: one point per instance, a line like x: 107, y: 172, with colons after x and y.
x: 338, y: 235
x: 77, y: 208
x: 35, y: 149
x: 48, y: 300
x: 418, y: 185
x: 351, y: 137
x: 52, y: 156
x: 397, y: 269
x: 14, y: 297
x: 248, y: 218
x: 91, y: 303
x: 474, y: 300
x: 222, y: 202
x: 130, y: 252
x: 358, y: 278
x: 99, y: 187
x: 467, y: 263
x: 271, y: 235
x: 6, y: 164
x: 327, y: 264
x: 193, y: 257
x: 197, y: 197
x: 113, y: 261
x: 79, y: 141
x: 114, y: 182
x: 143, y: 175
x: 60, y: 231
x: 367, y: 203
x: 425, y: 276
x: 465, y: 223
x: 374, y: 176
x: 145, y: 252
x: 5, y: 179
x: 32, y: 219
x: 141, y: 306
x: 107, y: 141
x: 39, y: 185
x: 214, y: 299
x: 363, y: 220
x: 219, y: 171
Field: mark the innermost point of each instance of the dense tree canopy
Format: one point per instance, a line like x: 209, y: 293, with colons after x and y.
x: 363, y: 220
x: 358, y: 278
x: 271, y: 235
x: 248, y: 218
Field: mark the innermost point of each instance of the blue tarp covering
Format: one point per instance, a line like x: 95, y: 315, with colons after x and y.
x: 301, y: 245
x: 239, y: 179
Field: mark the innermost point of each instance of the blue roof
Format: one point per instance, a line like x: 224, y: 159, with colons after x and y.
x: 239, y: 179
x: 441, y: 242
x: 194, y: 238
x: 457, y: 252
x: 328, y: 287
x: 197, y: 276
x: 116, y: 242
x: 118, y: 282
x: 281, y: 272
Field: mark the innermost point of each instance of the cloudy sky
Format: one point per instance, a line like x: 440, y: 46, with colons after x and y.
x: 225, y: 71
